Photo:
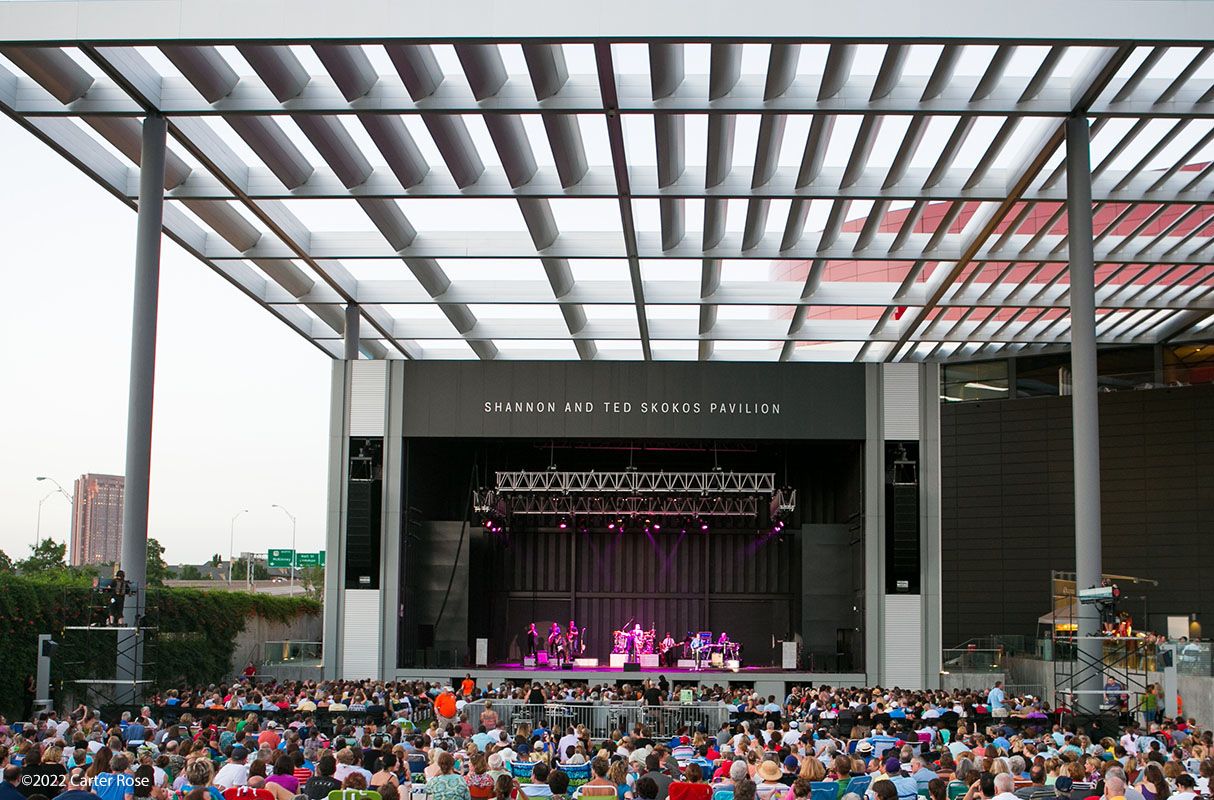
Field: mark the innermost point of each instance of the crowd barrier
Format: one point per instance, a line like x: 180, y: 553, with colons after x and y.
x: 601, y: 718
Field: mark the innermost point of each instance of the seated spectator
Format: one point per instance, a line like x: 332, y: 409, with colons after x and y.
x: 323, y: 782
x: 558, y: 784
x: 480, y: 782
x: 692, y: 787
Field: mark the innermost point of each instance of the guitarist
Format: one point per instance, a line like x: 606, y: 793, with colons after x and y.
x: 667, y: 650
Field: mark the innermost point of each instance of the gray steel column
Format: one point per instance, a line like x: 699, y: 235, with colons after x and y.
x: 335, y: 516
x: 1086, y: 421
x: 874, y: 525
x: 351, y: 338
x: 393, y: 520
x: 930, y: 578
x: 139, y: 399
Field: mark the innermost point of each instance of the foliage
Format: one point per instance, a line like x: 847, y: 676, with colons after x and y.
x: 158, y: 570
x: 45, y: 556
x: 313, y: 580
x: 192, y: 642
x: 6, y: 563
x: 240, y: 571
x: 189, y: 572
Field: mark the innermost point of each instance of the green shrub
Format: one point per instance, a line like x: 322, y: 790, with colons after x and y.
x: 194, y: 637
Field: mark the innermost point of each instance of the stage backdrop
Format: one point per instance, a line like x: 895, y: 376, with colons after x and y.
x: 559, y: 399
x: 739, y: 582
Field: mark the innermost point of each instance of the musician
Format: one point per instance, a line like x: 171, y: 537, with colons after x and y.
x: 727, y: 647
x: 636, y: 641
x: 574, y: 637
x: 668, y: 650
x: 555, y: 640
x: 697, y: 650
x: 118, y: 590
x: 533, y: 640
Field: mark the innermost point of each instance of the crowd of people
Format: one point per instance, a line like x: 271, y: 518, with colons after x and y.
x: 249, y: 741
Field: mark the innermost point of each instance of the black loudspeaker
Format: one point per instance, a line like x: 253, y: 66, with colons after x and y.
x: 425, y: 636
x: 632, y: 666
x: 1098, y: 726
x: 567, y: 665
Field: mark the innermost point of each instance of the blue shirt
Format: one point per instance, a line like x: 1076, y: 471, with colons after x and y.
x: 995, y: 699
x: 9, y: 792
x: 113, y: 786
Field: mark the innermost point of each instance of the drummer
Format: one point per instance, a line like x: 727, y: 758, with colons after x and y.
x: 636, y: 641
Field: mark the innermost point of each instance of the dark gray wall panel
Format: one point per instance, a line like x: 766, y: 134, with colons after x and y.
x: 1007, y: 506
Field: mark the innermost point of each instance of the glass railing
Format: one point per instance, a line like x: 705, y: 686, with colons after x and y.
x: 291, y: 652
x: 1195, y: 658
x: 1190, y: 658
x: 973, y: 660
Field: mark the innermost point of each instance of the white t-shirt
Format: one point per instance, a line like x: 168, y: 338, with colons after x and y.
x: 232, y: 774
x: 567, y: 741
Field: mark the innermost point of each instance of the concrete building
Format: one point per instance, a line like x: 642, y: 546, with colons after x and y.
x: 97, y: 520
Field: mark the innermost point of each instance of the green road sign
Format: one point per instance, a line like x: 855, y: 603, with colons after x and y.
x: 307, y: 559
x: 322, y: 558
x: 279, y: 558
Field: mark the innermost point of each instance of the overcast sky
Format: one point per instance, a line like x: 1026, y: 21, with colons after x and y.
x: 241, y: 410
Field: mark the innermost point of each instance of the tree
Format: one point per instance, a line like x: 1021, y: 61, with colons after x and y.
x: 313, y: 580
x: 6, y: 563
x: 189, y: 572
x: 46, y: 556
x: 216, y: 560
x: 240, y: 571
x: 157, y: 570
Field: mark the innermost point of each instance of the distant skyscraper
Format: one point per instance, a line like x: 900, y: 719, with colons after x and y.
x: 97, y: 520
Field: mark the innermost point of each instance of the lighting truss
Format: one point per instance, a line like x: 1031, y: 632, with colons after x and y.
x: 674, y: 186
x: 555, y: 505
x: 636, y: 482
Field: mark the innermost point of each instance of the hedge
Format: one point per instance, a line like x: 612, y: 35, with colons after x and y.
x: 193, y: 642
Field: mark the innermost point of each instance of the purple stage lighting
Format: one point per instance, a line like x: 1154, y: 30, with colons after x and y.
x: 610, y: 526
x: 704, y: 526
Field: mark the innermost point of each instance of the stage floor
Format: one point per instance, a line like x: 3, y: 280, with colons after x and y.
x: 605, y: 669
x: 765, y: 680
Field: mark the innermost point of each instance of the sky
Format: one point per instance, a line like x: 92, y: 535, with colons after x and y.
x: 241, y: 405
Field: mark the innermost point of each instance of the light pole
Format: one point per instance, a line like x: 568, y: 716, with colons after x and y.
x: 232, y: 542
x: 58, y: 488
x: 292, y: 516
x: 38, y: 524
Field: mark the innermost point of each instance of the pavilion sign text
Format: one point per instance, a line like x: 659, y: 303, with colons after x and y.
x: 730, y: 408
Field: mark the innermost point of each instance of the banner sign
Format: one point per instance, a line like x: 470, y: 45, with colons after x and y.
x: 668, y: 399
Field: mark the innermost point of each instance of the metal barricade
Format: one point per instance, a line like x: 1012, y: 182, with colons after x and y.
x: 602, y: 718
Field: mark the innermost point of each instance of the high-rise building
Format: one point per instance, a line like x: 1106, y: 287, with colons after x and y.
x: 97, y: 520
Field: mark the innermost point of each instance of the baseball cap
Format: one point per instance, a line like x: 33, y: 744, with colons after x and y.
x: 1063, y: 784
x: 892, y: 764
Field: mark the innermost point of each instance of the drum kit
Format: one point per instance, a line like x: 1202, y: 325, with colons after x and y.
x: 633, y: 640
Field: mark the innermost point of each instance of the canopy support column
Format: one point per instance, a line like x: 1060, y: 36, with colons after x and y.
x: 1084, y: 408
x: 139, y: 400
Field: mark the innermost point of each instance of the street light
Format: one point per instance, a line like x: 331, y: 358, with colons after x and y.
x: 60, y: 490
x: 292, y: 516
x: 232, y: 542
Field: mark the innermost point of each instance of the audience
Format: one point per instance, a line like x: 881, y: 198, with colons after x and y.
x: 251, y: 741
